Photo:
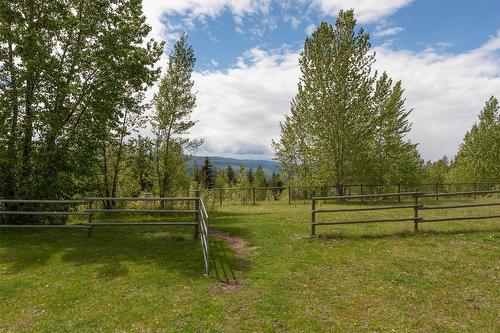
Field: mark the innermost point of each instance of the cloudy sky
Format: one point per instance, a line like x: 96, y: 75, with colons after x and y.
x: 447, y: 54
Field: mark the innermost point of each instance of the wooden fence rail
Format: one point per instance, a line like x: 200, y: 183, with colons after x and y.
x: 252, y: 195
x: 416, y: 207
x: 200, y: 215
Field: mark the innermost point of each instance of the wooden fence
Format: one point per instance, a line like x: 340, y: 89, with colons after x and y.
x: 290, y: 194
x: 200, y: 221
x: 416, y: 207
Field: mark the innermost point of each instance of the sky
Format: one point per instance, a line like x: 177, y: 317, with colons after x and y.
x: 446, y: 53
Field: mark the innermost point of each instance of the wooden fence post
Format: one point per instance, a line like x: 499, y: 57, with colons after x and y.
x: 89, y: 206
x: 399, y: 191
x: 253, y: 193
x: 197, y: 214
x: 220, y: 197
x: 415, y: 214
x: 437, y: 191
x: 361, y: 192
x: 313, y: 217
x: 289, y: 195
x: 475, y: 189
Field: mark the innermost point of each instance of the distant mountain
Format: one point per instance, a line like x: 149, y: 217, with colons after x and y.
x: 219, y: 162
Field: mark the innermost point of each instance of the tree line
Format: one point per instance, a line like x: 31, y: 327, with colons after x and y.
x: 73, y: 78
x: 348, y: 124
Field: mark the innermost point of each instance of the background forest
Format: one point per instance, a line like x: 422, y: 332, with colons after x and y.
x: 73, y: 78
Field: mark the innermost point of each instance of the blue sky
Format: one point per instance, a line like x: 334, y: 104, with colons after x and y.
x: 447, y: 53
x: 454, y: 26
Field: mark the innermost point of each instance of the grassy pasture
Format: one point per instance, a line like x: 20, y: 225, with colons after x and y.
x: 376, y: 277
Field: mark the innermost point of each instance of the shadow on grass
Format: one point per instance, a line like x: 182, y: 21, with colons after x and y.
x: 225, y: 265
x: 401, y: 234
x: 107, y: 252
x: 235, y: 214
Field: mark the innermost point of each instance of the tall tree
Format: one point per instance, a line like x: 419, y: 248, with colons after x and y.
x: 231, y: 177
x: 114, y: 146
x: 478, y: 158
x: 207, y: 174
x: 174, y: 103
x: 331, y: 113
x: 140, y: 164
x: 437, y: 171
x: 243, y: 185
x: 395, y: 160
x: 260, y: 181
x: 344, y: 122
x: 66, y: 70
x: 250, y: 176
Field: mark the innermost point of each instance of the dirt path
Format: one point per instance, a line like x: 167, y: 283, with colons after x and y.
x: 239, y: 246
x: 229, y: 282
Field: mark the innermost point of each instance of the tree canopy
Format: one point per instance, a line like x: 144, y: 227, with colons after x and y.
x: 347, y: 124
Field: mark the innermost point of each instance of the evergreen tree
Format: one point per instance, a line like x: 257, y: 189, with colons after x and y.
x: 207, y: 174
x: 478, y: 158
x: 250, y: 176
x: 174, y: 104
x: 230, y: 175
x: 275, y: 184
x: 260, y: 181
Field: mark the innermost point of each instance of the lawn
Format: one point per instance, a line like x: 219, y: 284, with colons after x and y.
x: 272, y: 277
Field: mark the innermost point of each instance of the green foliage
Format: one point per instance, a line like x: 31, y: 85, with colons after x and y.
x: 174, y: 104
x: 207, y: 174
x: 231, y: 177
x: 260, y: 181
x: 141, y: 163
x: 395, y: 161
x: 357, y: 278
x: 250, y: 176
x: 478, y: 158
x: 243, y: 184
x: 436, y: 172
x: 69, y: 71
x: 345, y: 125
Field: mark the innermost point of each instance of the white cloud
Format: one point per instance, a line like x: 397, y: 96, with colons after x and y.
x: 444, y: 45
x: 310, y: 29
x: 388, y: 32
x: 446, y: 91
x: 294, y: 22
x: 239, y: 110
x: 155, y: 10
x: 367, y: 11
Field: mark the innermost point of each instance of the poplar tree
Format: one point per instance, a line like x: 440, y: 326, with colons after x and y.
x: 331, y: 122
x: 260, y: 181
x: 478, y: 158
x: 395, y: 159
x: 66, y: 70
x: 346, y: 126
x: 174, y: 103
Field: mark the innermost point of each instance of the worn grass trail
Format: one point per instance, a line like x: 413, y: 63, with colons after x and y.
x: 377, y: 277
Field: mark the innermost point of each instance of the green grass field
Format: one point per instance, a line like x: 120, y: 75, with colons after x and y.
x: 376, y: 277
